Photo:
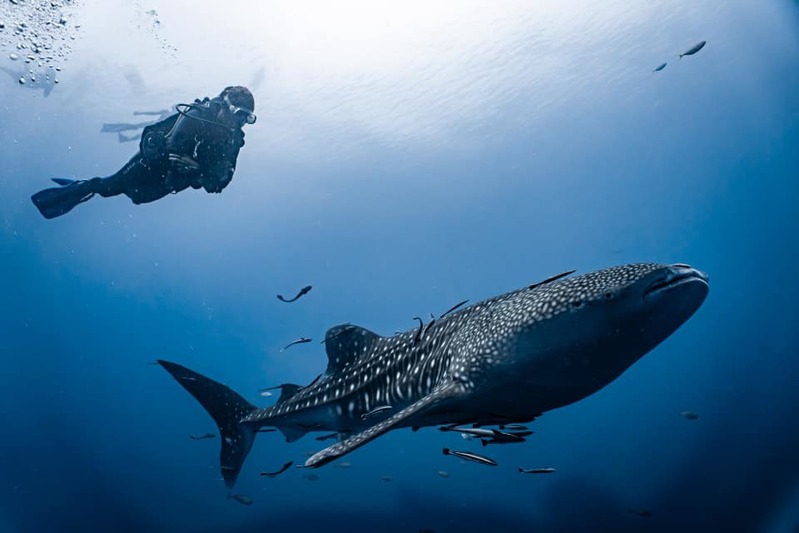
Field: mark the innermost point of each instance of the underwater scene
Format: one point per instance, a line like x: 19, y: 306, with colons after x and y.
x: 399, y: 266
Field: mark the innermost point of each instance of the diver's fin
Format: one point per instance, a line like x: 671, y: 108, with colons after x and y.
x: 63, y: 181
x: 227, y: 409
x: 446, y: 392
x: 58, y: 201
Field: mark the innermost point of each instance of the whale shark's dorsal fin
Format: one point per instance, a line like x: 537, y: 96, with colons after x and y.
x: 287, y: 390
x: 440, y: 394
x: 345, y: 343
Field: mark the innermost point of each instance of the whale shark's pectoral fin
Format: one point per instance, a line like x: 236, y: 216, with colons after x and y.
x: 440, y: 394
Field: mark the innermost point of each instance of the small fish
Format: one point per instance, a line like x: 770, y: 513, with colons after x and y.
x: 495, y: 435
x: 466, y: 436
x: 63, y: 181
x: 277, y: 473
x: 551, y: 279
x: 418, y: 333
x: 327, y: 437
x: 343, y: 464
x: 546, y: 470
x: 694, y: 49
x: 690, y: 415
x: 265, y: 430
x: 311, y: 477
x: 378, y: 409
x: 305, y: 290
x: 503, y: 437
x: 643, y: 513
x: 386, y: 478
x: 659, y: 67
x: 474, y: 432
x: 453, y: 308
x: 469, y: 456
x: 301, y: 340
x: 266, y: 392
x: 202, y: 437
x: 430, y: 324
x: 513, y: 427
x: 442, y: 473
x: 241, y: 498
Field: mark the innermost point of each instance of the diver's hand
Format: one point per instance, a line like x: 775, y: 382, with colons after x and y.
x: 183, y: 164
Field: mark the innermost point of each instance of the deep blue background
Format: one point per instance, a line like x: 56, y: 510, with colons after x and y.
x: 593, y: 162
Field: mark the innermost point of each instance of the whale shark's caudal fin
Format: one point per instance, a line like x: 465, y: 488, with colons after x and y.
x: 227, y: 408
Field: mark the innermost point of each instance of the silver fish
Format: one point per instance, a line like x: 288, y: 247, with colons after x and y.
x: 376, y: 410
x: 469, y: 456
x: 301, y: 340
x: 503, y: 437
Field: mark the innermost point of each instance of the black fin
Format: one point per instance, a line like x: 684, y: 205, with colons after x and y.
x: 227, y: 408
x: 58, y: 201
x: 345, y: 343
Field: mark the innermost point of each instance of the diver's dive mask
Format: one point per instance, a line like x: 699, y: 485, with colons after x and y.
x: 247, y: 114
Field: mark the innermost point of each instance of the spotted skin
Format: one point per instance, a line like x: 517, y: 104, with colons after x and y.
x: 503, y: 360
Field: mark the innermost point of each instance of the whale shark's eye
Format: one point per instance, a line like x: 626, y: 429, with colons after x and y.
x: 608, y: 296
x: 577, y: 303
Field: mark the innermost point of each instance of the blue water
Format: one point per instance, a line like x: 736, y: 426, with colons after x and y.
x: 406, y: 157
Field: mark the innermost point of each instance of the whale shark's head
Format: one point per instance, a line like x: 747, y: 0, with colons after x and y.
x: 561, y: 341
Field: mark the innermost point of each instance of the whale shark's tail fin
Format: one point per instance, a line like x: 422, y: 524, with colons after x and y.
x: 227, y: 408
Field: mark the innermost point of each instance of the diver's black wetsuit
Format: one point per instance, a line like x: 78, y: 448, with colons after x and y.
x: 195, y: 132
x: 150, y: 175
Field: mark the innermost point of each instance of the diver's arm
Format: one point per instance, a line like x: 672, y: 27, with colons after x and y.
x: 217, y: 175
x: 215, y: 179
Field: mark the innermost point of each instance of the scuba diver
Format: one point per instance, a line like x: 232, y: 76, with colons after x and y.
x: 196, y: 147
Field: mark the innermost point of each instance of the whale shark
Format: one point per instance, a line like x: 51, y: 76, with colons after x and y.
x: 504, y: 360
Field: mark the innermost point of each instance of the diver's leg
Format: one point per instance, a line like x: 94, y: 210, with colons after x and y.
x: 135, y: 180
x: 119, y: 182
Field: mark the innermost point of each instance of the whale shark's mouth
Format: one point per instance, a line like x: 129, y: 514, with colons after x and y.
x: 676, y: 276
